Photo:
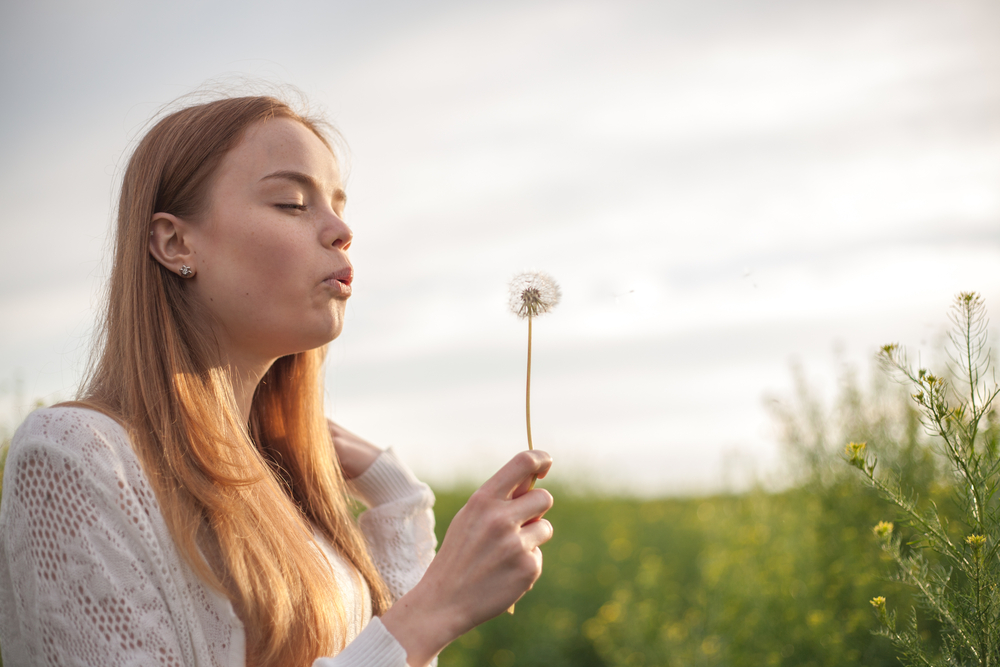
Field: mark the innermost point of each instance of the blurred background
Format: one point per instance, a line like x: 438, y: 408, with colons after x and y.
x: 742, y: 200
x: 723, y: 188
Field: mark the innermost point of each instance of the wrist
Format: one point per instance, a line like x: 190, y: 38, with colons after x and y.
x: 421, y: 626
x: 354, y: 453
x: 357, y: 458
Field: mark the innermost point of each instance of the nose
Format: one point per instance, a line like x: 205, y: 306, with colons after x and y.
x: 336, y: 233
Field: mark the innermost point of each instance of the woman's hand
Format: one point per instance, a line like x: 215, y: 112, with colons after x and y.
x: 488, y: 559
x: 356, y: 454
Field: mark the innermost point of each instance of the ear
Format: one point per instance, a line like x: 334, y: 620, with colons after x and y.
x: 170, y: 244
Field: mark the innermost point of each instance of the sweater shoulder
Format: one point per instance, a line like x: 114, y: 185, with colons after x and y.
x: 80, y: 523
x: 79, y: 438
x: 63, y: 426
x: 72, y: 431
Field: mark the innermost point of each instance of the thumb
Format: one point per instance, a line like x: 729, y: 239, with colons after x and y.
x: 519, y: 470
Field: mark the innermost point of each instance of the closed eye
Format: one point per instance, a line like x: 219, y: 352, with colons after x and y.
x: 297, y: 207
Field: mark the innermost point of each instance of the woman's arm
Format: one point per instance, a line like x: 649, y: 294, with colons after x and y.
x: 399, y: 529
x: 355, y: 453
x: 489, y: 558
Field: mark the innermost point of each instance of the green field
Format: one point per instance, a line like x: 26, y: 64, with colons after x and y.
x: 755, y: 579
x: 759, y: 578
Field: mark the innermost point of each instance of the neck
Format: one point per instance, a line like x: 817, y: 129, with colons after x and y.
x: 245, y: 375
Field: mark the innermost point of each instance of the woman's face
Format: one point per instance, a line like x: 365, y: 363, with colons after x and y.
x: 271, y: 246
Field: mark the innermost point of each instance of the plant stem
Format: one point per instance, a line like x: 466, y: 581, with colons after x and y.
x: 984, y: 658
x: 527, y: 402
x: 527, y: 391
x: 527, y: 416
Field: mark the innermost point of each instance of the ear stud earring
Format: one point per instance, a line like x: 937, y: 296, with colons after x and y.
x: 186, y: 271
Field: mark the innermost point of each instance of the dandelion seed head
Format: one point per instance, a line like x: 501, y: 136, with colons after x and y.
x: 533, y: 293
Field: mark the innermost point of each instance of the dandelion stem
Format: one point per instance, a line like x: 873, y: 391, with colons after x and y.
x: 527, y: 390
x: 527, y: 402
x: 527, y: 417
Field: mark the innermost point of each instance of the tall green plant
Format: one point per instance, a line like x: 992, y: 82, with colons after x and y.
x: 960, y: 587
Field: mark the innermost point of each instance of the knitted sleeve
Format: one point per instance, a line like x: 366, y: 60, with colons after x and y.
x: 88, y: 573
x: 399, y: 521
x: 399, y: 528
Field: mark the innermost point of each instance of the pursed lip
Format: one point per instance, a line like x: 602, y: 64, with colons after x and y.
x: 344, y: 275
x: 341, y: 278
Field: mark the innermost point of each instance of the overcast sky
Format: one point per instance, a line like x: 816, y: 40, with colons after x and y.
x: 721, y: 188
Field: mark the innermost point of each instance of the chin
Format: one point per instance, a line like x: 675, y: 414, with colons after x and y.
x: 312, y: 333
x: 335, y: 331
x: 315, y: 340
x: 327, y: 336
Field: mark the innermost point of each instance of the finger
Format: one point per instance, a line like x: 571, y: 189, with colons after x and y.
x: 518, y: 469
x: 532, y: 505
x: 527, y: 484
x: 536, y: 533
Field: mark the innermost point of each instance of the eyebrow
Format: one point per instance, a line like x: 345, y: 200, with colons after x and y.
x: 305, y: 179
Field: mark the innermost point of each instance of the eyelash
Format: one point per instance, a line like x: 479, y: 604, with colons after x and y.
x: 297, y: 207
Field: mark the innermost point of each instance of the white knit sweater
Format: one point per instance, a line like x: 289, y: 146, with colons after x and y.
x: 89, y: 574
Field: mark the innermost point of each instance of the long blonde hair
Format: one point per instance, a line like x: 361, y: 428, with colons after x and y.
x: 248, y: 496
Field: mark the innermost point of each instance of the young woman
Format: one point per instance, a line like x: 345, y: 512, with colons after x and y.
x: 190, y: 508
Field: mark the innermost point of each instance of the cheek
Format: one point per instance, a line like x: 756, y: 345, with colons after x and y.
x: 255, y: 270
x: 271, y: 261
x: 262, y: 262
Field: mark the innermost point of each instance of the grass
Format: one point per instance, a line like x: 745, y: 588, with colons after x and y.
x: 754, y: 579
